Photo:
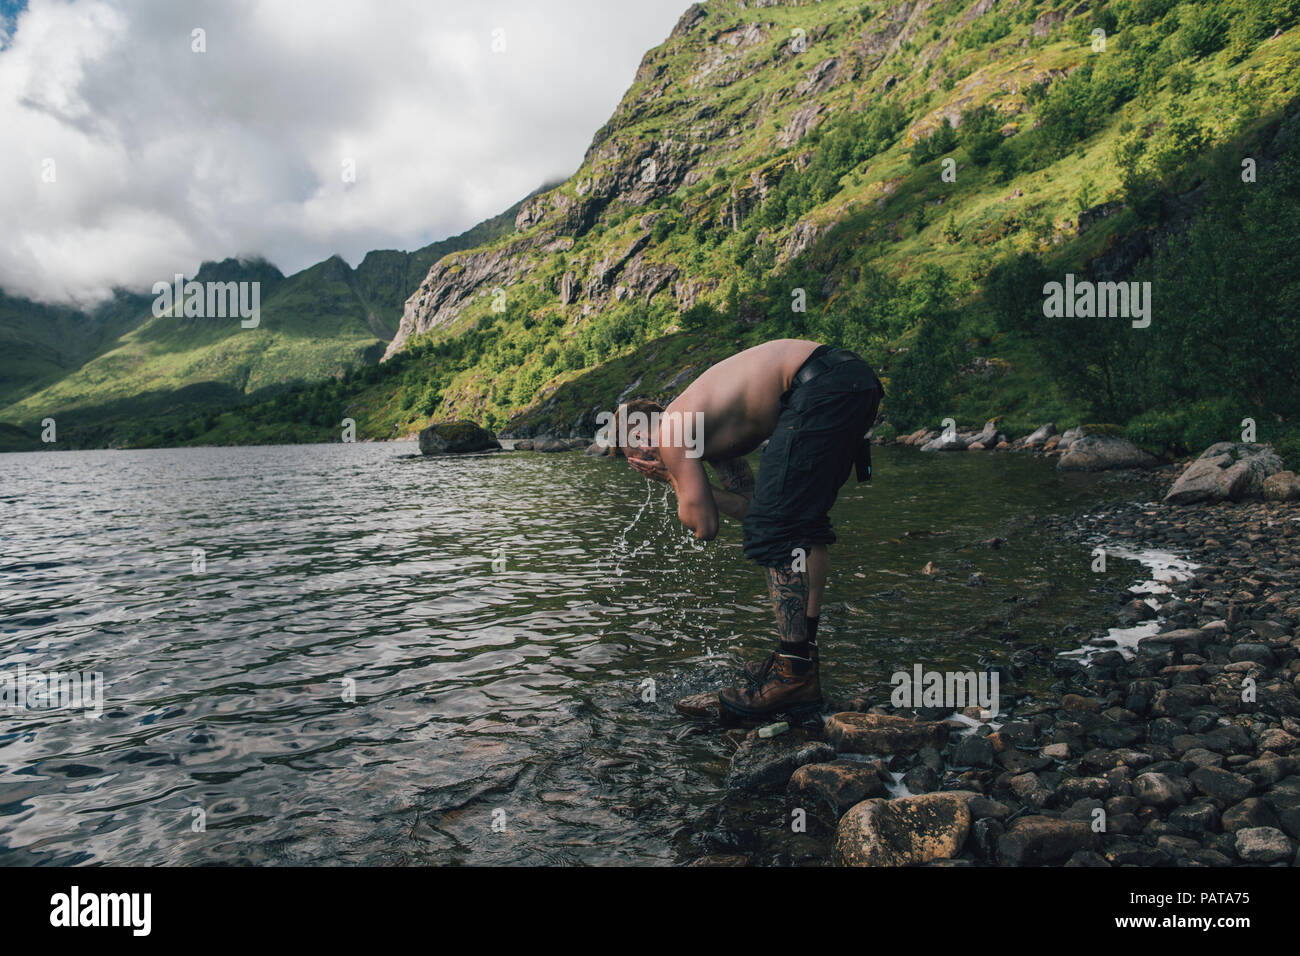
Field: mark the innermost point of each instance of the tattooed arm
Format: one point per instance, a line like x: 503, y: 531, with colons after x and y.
x: 737, y: 487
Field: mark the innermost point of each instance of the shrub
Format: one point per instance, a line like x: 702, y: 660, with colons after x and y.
x: 981, y: 134
x: 1204, y: 31
x: 942, y: 140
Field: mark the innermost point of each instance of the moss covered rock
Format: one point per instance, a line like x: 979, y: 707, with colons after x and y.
x: 453, y: 437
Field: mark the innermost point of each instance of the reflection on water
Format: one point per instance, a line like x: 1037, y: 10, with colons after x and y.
x: 309, y: 656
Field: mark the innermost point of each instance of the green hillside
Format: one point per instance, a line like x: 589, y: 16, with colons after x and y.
x: 119, y: 375
x: 911, y: 174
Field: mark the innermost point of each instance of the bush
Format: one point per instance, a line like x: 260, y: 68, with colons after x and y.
x: 1186, y: 430
x: 700, y: 316
x: 942, y: 140
x: 980, y: 134
x: 1204, y: 31
x: 1073, y: 110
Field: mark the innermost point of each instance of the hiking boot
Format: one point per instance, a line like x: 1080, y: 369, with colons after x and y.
x: 779, y: 691
x: 755, y: 670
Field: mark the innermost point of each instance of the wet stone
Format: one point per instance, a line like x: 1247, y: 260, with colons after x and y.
x: 1263, y: 845
x: 1251, y: 812
x: 721, y: 859
x: 973, y: 751
x: 699, y: 706
x: 1158, y: 790
x: 1221, y: 784
x: 904, y: 832
x: 834, y: 787
x: 882, y: 733
x: 760, y: 764
x: 1196, y: 818
x: 1035, y: 840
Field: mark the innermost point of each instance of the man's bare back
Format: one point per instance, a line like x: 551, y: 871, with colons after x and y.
x: 737, y: 403
x: 740, y: 397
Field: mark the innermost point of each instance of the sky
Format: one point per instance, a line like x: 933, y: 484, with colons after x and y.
x: 135, y: 147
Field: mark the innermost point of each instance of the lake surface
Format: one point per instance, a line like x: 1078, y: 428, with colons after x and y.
x: 380, y: 659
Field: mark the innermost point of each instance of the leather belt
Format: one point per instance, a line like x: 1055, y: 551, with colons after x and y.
x: 820, y: 363
x: 814, y: 367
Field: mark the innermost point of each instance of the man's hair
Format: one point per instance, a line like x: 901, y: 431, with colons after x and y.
x: 618, y: 426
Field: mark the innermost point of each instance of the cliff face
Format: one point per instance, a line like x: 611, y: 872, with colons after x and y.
x: 714, y: 117
x: 698, y: 101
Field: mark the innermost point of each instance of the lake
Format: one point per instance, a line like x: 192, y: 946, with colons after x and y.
x: 319, y: 654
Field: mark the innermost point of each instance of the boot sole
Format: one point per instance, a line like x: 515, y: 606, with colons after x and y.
x: 798, y: 712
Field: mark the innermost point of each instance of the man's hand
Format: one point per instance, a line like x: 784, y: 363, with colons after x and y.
x: 651, y: 466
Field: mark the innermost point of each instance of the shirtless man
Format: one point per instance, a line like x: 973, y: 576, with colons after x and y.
x: 815, y: 403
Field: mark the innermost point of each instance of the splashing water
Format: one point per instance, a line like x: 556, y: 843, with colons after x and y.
x: 620, y: 547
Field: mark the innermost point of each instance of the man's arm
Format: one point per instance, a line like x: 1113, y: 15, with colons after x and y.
x: 695, y: 504
x: 738, y: 481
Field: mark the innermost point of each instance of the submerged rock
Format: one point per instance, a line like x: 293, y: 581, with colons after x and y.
x: 700, y: 705
x: 454, y: 437
x: 721, y: 859
x: 904, y: 832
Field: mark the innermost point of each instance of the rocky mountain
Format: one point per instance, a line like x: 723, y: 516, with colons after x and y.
x: 899, y: 177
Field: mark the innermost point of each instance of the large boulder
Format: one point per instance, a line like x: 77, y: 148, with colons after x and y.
x: 1284, y: 486
x: 1103, y: 452
x: 920, y: 829
x: 453, y: 437
x: 1226, y: 471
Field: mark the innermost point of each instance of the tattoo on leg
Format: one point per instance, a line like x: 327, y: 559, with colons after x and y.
x: 789, y: 591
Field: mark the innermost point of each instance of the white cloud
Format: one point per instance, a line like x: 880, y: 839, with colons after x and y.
x: 163, y: 157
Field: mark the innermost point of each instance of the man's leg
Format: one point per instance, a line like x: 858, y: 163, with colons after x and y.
x: 796, y: 602
x: 789, y: 590
x: 819, y: 566
x: 788, y: 681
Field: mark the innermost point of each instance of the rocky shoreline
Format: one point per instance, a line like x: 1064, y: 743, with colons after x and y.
x: 1171, y: 745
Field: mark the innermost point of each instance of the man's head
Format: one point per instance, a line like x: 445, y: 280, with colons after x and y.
x: 632, y: 421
